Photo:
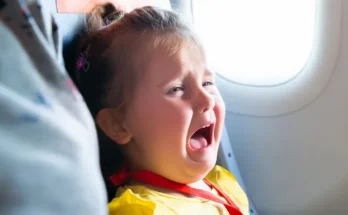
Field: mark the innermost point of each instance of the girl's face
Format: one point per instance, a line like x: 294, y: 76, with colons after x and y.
x: 176, y: 116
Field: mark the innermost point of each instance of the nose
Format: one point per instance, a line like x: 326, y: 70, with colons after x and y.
x: 204, y: 100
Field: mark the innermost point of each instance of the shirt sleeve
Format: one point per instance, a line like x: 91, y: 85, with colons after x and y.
x: 132, y: 209
x: 129, y: 203
x: 49, y: 160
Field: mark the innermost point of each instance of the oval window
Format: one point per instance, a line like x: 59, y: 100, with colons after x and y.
x: 260, y: 43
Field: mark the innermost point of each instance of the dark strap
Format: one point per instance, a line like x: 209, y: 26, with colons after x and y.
x: 154, y: 179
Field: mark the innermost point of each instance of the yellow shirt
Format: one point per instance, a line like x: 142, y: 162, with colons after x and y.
x: 139, y: 200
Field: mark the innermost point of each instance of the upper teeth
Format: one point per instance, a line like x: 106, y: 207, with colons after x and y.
x: 205, y: 126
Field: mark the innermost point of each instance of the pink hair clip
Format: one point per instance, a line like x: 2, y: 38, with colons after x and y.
x: 82, y: 62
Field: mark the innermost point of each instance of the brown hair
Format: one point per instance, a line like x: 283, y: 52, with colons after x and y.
x: 114, y: 50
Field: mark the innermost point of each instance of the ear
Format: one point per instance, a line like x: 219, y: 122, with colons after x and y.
x: 112, y: 125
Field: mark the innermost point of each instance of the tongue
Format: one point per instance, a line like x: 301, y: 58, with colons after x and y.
x: 198, y: 141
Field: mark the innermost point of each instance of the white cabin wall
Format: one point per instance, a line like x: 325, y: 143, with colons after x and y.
x: 298, y: 163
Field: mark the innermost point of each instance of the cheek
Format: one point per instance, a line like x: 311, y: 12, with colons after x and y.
x: 220, y: 117
x: 170, y: 122
x: 219, y: 107
x: 173, y: 114
x: 158, y: 117
x: 220, y: 112
x: 136, y: 117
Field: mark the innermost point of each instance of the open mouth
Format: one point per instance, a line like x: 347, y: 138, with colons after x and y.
x: 202, y: 137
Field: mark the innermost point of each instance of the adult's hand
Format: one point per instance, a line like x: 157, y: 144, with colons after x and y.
x: 85, y: 6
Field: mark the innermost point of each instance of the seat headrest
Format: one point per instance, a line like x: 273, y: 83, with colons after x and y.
x: 70, y: 24
x: 71, y: 27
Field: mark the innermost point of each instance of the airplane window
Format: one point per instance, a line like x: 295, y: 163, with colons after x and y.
x: 252, y: 42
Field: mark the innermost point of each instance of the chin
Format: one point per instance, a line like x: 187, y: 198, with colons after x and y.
x: 199, y: 170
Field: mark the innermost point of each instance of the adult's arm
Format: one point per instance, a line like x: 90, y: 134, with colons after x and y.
x: 48, y: 146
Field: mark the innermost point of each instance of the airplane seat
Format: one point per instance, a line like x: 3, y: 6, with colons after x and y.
x: 72, y: 29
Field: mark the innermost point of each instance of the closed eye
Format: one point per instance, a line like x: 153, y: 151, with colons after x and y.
x: 207, y: 83
x: 175, y: 89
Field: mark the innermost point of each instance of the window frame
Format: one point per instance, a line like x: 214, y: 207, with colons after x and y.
x: 304, y: 88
